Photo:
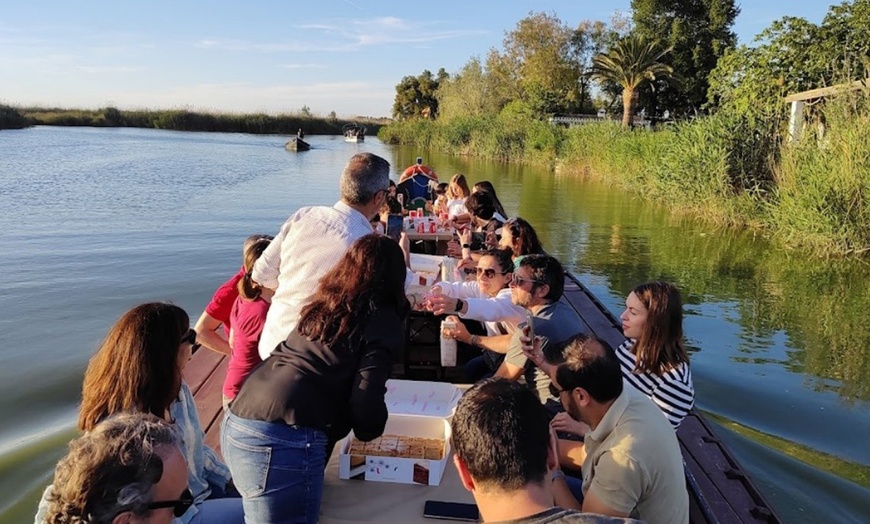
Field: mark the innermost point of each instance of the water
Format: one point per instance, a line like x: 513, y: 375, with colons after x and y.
x: 94, y: 221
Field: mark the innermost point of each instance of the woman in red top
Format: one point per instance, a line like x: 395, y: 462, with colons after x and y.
x: 247, y: 319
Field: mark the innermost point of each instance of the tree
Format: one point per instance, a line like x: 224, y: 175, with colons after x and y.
x: 591, y: 38
x: 305, y: 110
x: 632, y: 62
x: 539, y: 64
x: 415, y: 95
x: 467, y: 93
x: 699, y: 33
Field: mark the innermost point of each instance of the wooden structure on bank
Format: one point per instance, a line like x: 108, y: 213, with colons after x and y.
x: 799, y: 100
x: 720, y: 491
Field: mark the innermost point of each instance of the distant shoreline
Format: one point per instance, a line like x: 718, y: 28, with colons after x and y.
x: 181, y: 120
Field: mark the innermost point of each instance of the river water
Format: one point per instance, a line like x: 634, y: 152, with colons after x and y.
x: 94, y: 221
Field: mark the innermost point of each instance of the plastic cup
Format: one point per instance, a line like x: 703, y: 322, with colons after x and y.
x: 448, y: 345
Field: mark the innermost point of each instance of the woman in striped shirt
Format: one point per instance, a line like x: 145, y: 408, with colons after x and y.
x: 654, y: 359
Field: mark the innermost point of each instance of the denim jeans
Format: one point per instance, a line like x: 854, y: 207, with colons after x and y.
x: 278, y: 469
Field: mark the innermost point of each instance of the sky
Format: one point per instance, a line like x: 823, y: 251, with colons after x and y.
x: 268, y: 56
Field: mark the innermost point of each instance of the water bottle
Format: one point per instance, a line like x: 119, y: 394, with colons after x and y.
x: 448, y: 345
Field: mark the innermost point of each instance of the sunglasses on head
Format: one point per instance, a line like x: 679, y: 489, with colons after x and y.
x: 488, y: 272
x: 179, y: 507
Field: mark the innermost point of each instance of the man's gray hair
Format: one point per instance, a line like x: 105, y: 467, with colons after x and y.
x: 364, y: 175
x: 111, y: 469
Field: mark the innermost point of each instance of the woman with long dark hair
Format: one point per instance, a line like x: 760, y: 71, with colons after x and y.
x: 520, y: 237
x: 327, y: 378
x: 139, y: 368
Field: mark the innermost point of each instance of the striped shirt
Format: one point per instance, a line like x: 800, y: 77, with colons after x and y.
x: 672, y: 392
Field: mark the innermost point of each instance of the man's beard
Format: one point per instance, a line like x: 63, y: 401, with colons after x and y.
x: 573, y: 409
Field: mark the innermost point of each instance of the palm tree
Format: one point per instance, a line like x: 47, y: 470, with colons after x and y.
x: 631, y: 62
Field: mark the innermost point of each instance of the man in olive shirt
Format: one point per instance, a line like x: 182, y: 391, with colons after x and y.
x: 631, y: 459
x: 506, y: 456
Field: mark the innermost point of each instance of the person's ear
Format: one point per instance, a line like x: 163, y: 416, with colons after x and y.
x: 464, y: 475
x: 581, y: 396
x: 125, y: 517
x: 542, y: 290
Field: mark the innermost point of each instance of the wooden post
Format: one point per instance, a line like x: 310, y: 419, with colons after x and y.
x: 796, y: 121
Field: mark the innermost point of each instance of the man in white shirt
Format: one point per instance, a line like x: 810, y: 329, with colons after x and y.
x: 313, y: 241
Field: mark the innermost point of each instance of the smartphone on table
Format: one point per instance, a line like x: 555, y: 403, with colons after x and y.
x: 438, y: 509
x: 395, y: 223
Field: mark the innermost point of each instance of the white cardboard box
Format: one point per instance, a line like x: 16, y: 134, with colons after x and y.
x: 416, y: 409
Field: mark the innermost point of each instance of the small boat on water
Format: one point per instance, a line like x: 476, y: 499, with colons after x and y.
x: 719, y: 489
x: 297, y: 144
x: 354, y: 132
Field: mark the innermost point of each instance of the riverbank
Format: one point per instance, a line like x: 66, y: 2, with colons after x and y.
x: 729, y: 170
x: 180, y: 120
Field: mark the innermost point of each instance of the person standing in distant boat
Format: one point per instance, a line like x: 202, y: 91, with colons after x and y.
x: 299, y: 134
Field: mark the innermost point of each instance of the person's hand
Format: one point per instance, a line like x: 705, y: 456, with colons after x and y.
x: 467, y: 263
x: 491, y: 240
x: 465, y: 236
x: 454, y: 249
x: 532, y: 350
x: 460, y: 332
x: 566, y: 424
x: 441, y: 304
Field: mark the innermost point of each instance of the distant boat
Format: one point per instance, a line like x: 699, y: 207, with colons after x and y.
x: 297, y: 144
x: 354, y: 133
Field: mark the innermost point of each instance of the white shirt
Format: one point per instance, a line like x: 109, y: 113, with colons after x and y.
x: 456, y: 207
x: 309, y: 245
x: 492, y: 311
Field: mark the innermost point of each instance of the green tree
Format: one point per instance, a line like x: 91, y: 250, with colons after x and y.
x: 632, y: 62
x: 699, y: 33
x: 539, y: 64
x: 415, y: 95
x: 467, y: 93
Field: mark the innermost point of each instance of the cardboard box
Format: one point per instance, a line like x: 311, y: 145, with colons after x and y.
x: 416, y: 410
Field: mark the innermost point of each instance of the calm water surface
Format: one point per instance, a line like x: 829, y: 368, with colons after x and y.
x: 94, y: 221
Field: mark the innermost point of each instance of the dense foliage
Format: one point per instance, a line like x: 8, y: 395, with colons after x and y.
x: 10, y: 118
x: 415, y: 95
x: 733, y: 165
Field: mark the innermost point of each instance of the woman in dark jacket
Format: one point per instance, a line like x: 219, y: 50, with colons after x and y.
x: 326, y: 379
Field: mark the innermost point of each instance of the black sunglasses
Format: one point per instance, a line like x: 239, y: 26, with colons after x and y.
x: 554, y: 391
x: 179, y: 507
x: 190, y: 338
x: 488, y: 272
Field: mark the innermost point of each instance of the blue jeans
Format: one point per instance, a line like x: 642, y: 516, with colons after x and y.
x: 278, y: 469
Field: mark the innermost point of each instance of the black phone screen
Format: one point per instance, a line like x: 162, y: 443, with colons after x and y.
x: 394, y: 226
x: 437, y: 509
x: 478, y: 241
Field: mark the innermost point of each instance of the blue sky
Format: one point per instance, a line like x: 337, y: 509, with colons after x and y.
x: 331, y: 55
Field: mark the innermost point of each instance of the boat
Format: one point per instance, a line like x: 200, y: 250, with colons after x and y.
x: 719, y: 489
x: 297, y: 144
x: 354, y: 132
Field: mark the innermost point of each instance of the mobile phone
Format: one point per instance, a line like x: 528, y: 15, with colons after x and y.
x: 478, y: 241
x: 419, y: 161
x: 437, y: 509
x: 394, y: 226
x: 530, y: 321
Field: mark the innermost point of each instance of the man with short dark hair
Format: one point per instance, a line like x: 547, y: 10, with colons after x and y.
x: 537, y: 285
x: 506, y: 455
x: 129, y: 468
x: 313, y: 240
x: 631, y: 460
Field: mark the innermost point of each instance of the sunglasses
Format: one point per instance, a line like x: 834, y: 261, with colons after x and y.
x: 554, y: 391
x: 488, y: 272
x: 190, y: 338
x: 179, y: 507
x: 519, y: 281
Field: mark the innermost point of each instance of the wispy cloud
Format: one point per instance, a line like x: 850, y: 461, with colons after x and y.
x: 107, y: 69
x: 351, y: 36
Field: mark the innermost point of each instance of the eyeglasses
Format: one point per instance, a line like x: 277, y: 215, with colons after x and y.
x: 190, y: 338
x: 556, y: 392
x: 179, y: 507
x: 488, y: 272
x: 519, y: 281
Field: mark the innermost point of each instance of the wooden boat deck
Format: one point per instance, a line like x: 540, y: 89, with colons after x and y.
x: 719, y: 489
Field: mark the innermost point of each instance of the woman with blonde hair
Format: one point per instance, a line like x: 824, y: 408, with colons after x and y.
x: 457, y: 192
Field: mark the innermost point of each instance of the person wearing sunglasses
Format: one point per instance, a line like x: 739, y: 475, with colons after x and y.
x: 129, y: 468
x: 488, y: 300
x: 139, y: 368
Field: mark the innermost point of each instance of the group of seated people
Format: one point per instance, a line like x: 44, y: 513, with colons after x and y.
x: 314, y: 320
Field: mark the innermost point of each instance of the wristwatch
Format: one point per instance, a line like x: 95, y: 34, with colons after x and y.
x: 466, y: 246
